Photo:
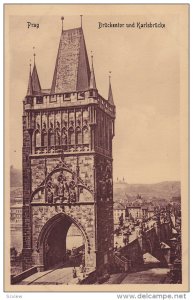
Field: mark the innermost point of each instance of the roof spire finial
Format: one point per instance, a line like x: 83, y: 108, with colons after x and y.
x: 34, y: 55
x: 62, y: 18
x: 30, y: 65
x: 110, y: 96
x: 81, y: 20
x: 92, y: 75
x: 110, y: 76
x: 35, y: 79
x: 30, y: 87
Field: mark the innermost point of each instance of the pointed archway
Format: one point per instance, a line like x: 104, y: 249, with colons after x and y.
x: 52, y: 242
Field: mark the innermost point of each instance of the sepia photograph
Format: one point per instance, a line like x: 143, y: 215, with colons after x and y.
x: 96, y: 147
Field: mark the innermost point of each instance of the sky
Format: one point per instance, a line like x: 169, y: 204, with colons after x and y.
x: 145, y: 65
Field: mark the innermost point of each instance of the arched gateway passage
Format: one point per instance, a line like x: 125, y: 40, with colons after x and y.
x: 52, y: 243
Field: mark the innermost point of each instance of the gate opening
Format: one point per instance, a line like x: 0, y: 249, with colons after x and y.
x: 64, y: 245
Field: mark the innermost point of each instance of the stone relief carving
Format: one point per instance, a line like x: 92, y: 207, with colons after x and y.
x: 61, y: 188
x: 62, y: 185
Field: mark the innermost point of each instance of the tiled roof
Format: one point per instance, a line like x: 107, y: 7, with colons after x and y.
x: 118, y: 206
x: 72, y: 71
x: 133, y: 206
x: 144, y: 207
x: 148, y: 258
x: 150, y: 208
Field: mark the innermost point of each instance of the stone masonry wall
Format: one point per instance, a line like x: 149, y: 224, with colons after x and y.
x: 26, y: 197
x: 82, y: 214
x: 104, y: 188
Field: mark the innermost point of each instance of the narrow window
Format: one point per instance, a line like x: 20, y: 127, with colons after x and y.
x: 85, y: 135
x: 78, y: 136
x: 57, y: 137
x: 44, y: 139
x: 71, y: 136
x: 51, y: 138
x: 37, y: 139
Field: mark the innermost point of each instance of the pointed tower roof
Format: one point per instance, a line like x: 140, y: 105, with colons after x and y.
x: 30, y: 88
x: 35, y: 80
x: 72, y: 71
x: 110, y: 96
x: 92, y: 84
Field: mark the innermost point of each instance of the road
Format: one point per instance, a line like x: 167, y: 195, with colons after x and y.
x: 57, y: 276
x: 154, y: 275
x: 64, y: 276
x: 157, y: 275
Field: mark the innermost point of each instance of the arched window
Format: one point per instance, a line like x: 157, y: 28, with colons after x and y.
x: 44, y: 138
x: 71, y: 136
x: 64, y: 137
x: 51, y: 141
x: 37, y: 139
x: 85, y: 135
x: 78, y: 136
x: 57, y: 137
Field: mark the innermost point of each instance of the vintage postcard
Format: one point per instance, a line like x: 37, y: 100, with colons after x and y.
x: 96, y: 147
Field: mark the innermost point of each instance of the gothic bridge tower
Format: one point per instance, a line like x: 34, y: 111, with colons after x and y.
x: 67, y: 161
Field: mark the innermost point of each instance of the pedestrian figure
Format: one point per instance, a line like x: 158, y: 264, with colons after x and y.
x: 81, y: 268
x: 84, y: 272
x: 74, y: 272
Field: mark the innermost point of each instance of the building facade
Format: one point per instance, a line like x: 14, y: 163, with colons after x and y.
x: 118, y: 211
x: 67, y: 160
x: 135, y: 212
x: 16, y: 226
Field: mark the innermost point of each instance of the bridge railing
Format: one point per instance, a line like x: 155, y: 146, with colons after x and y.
x: 122, y: 263
x: 17, y: 278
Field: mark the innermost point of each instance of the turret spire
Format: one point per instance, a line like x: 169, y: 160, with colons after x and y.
x: 34, y: 56
x: 92, y: 84
x: 110, y: 96
x: 30, y: 88
x: 35, y: 78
